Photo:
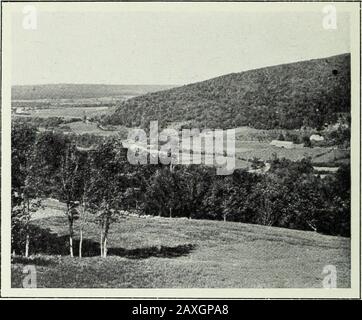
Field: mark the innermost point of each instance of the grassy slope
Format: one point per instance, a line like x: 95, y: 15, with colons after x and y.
x: 161, y: 252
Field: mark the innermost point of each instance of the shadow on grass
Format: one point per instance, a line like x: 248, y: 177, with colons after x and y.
x: 46, y: 242
x: 37, y: 261
x: 147, y: 252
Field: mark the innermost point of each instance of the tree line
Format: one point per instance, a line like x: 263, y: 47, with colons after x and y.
x: 98, y: 184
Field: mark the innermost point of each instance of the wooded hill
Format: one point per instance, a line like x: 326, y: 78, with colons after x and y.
x: 289, y: 96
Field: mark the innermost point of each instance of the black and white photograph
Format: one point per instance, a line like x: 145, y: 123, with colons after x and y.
x: 180, y: 145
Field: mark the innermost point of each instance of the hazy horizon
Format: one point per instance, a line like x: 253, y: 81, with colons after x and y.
x: 95, y: 84
x: 155, y: 84
x: 166, y: 47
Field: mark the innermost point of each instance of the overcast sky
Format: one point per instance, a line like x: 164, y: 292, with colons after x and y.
x: 165, y: 47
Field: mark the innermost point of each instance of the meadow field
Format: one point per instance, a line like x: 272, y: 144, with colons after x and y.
x: 79, y: 127
x: 264, y: 151
x: 246, y: 151
x: 67, y: 112
x: 182, y: 253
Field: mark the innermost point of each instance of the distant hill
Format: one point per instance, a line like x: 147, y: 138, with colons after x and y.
x: 79, y: 91
x: 286, y: 96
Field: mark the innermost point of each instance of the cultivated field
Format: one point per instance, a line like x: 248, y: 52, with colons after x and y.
x: 79, y: 127
x: 246, y: 151
x: 182, y: 253
x: 67, y: 112
x: 264, y: 151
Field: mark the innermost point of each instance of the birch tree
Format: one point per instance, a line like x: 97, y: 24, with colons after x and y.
x: 84, y: 194
x: 25, y: 187
x: 69, y: 181
x: 111, y: 176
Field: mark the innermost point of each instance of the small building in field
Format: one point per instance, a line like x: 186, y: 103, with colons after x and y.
x: 21, y: 111
x: 316, y: 137
x: 283, y: 144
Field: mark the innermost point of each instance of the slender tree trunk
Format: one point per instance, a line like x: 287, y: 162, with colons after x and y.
x: 105, y: 237
x: 105, y: 247
x: 27, y: 237
x: 224, y: 217
x: 70, y: 220
x: 170, y: 212
x: 82, y: 222
x: 313, y: 227
x: 27, y: 245
x: 71, y: 245
x: 80, y: 242
x: 101, y: 243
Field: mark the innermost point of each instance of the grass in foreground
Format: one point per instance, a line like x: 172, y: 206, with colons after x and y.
x: 181, y: 253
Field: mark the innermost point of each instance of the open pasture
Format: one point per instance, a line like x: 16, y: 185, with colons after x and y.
x: 182, y: 253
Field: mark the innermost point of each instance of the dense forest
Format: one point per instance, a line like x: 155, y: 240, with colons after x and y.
x: 101, y: 183
x: 308, y: 93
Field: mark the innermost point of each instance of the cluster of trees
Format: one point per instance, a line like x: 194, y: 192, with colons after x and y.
x: 100, y: 183
x: 290, y: 195
x: 308, y: 93
x: 93, y: 181
x: 339, y: 137
x: 48, y: 122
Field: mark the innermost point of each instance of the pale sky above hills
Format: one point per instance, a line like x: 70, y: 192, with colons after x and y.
x: 166, y: 46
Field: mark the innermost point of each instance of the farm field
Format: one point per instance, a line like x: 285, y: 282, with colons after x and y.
x: 182, y: 253
x: 67, y: 112
x: 79, y: 127
x: 248, y: 147
x: 248, y: 150
x: 264, y: 151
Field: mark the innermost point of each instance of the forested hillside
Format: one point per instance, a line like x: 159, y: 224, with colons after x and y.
x: 309, y: 93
